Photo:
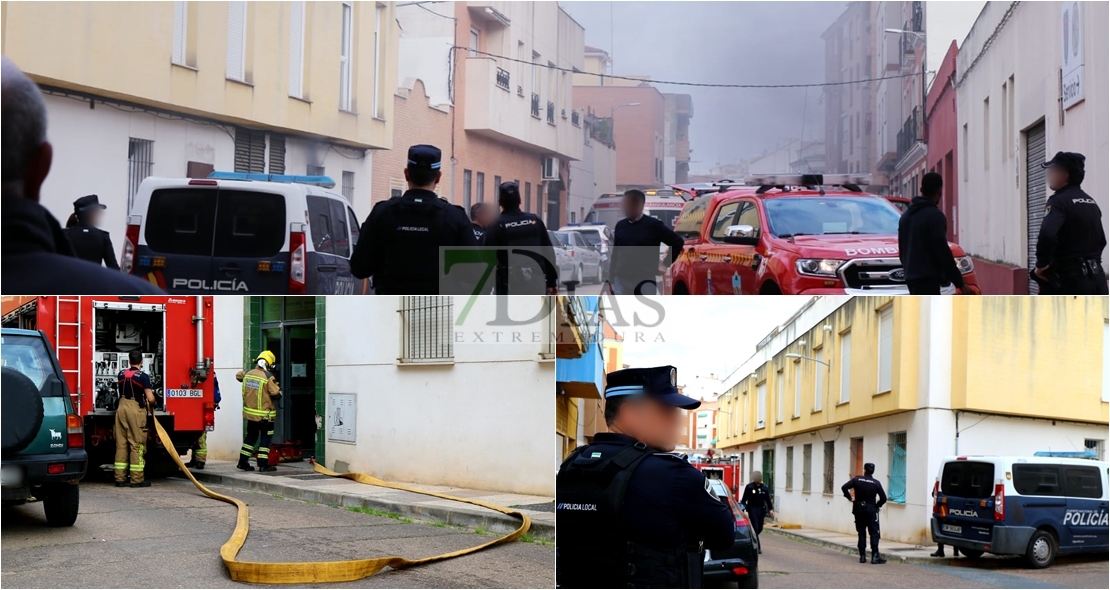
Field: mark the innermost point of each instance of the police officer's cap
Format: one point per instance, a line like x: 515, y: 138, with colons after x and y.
x: 423, y: 156
x: 658, y: 382
x: 1070, y: 161
x: 87, y: 203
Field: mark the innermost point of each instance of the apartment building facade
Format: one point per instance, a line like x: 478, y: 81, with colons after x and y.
x: 942, y: 153
x: 903, y: 383
x: 1018, y: 103
x: 638, y: 114
x: 848, y: 107
x: 900, y: 103
x: 346, y: 397
x: 276, y: 87
x: 495, y: 93
x: 678, y: 110
x: 580, y: 370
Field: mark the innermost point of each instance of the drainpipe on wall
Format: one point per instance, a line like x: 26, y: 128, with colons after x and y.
x: 957, y: 432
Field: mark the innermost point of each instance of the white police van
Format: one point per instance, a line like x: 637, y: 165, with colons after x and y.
x: 242, y: 233
x: 1040, y: 507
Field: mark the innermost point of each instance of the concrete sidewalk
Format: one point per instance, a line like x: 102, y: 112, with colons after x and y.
x: 297, y: 480
x: 891, y: 551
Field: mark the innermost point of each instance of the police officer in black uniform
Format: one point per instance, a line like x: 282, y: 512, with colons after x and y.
x: 90, y: 242
x: 481, y: 216
x: 631, y: 513
x: 399, y: 244
x: 1070, y: 245
x: 757, y: 501
x: 533, y: 270
x: 869, y: 498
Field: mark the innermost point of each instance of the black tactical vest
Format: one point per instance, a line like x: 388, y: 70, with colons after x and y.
x: 415, y: 229
x: 593, y: 548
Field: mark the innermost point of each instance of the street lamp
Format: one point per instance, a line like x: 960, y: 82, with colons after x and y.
x: 905, y: 32
x: 798, y: 356
x: 613, y: 120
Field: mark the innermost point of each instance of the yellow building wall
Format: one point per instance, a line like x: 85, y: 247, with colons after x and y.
x: 1006, y: 355
x: 123, y: 50
x: 1032, y: 356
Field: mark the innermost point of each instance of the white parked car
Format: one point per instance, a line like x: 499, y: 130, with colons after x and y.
x: 585, y: 264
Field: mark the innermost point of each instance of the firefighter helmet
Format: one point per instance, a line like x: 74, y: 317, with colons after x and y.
x: 268, y: 357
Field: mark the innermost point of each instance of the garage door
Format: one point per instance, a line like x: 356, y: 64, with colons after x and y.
x: 1034, y: 191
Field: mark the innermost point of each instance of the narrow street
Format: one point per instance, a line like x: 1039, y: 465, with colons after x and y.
x: 169, y: 536
x: 787, y: 563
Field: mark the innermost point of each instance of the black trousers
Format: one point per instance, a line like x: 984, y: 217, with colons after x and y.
x: 867, y: 523
x: 1078, y: 285
x: 261, y: 431
x: 924, y: 287
x: 757, y: 514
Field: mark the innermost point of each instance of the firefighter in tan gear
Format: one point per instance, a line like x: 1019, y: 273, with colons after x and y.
x: 260, y: 388
x: 135, y: 396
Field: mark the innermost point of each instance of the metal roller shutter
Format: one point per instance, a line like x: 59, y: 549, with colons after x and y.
x: 1034, y: 191
x: 250, y: 150
x: 277, y: 154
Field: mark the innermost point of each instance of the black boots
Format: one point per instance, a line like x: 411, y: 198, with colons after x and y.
x: 937, y: 553
x: 267, y: 468
x: 245, y: 466
x: 876, y: 558
x: 143, y: 484
x: 863, y: 556
x: 121, y: 484
x: 194, y: 464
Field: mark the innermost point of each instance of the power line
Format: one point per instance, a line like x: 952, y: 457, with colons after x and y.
x: 695, y: 84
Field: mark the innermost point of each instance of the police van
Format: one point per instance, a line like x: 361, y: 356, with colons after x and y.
x: 242, y: 233
x: 1039, y: 507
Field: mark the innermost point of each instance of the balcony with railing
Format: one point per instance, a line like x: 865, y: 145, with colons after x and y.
x: 503, y: 79
x: 535, y: 105
x: 550, y: 113
x: 575, y: 119
x: 911, y: 133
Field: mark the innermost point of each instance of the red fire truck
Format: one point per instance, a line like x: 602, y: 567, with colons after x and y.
x: 726, y: 469
x: 93, y: 336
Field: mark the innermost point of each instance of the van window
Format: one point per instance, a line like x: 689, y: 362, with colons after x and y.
x: 249, y: 224
x: 967, y: 479
x: 181, y: 221
x: 1082, y: 482
x: 342, y: 238
x: 689, y: 223
x: 319, y: 224
x: 355, y: 229
x: 668, y: 215
x: 724, y: 220
x: 1037, y: 480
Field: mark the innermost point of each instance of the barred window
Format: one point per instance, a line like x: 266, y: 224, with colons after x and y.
x: 896, y: 478
x: 807, y: 462
x: 426, y: 334
x: 789, y: 468
x: 140, y: 164
x: 830, y: 454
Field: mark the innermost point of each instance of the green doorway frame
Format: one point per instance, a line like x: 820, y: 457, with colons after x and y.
x: 252, y: 327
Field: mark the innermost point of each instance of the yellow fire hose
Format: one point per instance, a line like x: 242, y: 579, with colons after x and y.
x: 326, y: 571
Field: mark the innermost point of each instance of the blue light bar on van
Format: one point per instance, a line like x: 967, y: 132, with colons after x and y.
x: 320, y: 181
x: 1087, y: 454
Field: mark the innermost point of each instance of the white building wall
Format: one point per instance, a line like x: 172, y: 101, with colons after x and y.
x: 225, y: 440
x: 583, y: 185
x: 300, y: 153
x: 470, y: 424
x: 993, y: 220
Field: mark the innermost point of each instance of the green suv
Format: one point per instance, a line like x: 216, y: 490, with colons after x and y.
x: 43, y: 441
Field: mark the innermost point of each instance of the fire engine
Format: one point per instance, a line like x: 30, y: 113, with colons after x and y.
x: 92, y: 337
x: 726, y: 469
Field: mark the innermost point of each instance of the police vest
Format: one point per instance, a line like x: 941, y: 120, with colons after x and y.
x: 415, y: 230
x: 256, y: 400
x: 593, y: 546
x: 130, y: 387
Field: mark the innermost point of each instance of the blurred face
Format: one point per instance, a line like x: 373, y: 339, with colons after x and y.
x: 632, y: 207
x: 651, y: 422
x: 1057, y: 177
x: 93, y: 217
x: 486, y: 216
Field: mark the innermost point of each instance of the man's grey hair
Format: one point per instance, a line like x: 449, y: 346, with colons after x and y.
x: 23, y: 122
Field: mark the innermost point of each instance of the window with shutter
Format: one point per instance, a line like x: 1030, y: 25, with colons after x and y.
x: 845, y: 367
x: 345, y: 57
x: 277, y: 154
x: 886, y: 348
x: 236, y: 40
x: 761, y: 405
x: 180, y: 32
x: 250, y: 150
x: 296, y: 49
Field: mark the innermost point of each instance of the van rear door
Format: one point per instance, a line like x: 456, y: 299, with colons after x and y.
x: 179, y: 227
x: 328, y: 265
x: 967, y: 500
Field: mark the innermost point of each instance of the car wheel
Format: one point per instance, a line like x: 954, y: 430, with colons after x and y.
x: 972, y: 553
x: 749, y: 581
x: 60, y: 503
x: 578, y: 274
x: 22, y: 408
x: 600, y: 276
x: 1042, y: 550
x: 770, y: 288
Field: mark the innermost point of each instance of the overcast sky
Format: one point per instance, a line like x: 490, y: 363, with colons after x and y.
x: 722, y: 42
x: 699, y: 335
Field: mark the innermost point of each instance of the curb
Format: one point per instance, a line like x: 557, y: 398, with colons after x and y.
x: 472, y: 518
x: 847, y: 550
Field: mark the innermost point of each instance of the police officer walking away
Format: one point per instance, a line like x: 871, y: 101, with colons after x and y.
x: 869, y: 498
x: 260, y: 388
x: 400, y: 240
x: 135, y: 395
x: 757, y: 501
x: 634, y: 262
x: 1070, y: 245
x: 923, y: 242
x: 631, y: 513
x: 516, y: 228
x: 89, y: 242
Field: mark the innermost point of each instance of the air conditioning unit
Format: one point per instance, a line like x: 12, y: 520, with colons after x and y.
x: 550, y: 168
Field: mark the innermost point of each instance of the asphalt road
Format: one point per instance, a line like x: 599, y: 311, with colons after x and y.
x: 169, y: 536
x: 787, y: 563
